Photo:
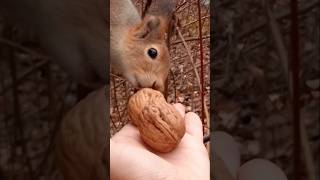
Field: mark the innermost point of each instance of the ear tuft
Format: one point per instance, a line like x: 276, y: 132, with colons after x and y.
x: 149, y: 26
x: 152, y: 23
x: 163, y: 8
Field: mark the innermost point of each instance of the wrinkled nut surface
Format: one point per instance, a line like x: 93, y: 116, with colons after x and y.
x: 159, y: 123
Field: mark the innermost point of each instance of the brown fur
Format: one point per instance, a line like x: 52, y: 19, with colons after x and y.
x: 130, y: 42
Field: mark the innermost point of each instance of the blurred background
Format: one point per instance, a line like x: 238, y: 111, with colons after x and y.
x: 251, y: 73
x: 34, y: 95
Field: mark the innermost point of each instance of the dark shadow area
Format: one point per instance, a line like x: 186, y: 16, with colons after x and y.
x: 256, y: 87
x: 40, y: 80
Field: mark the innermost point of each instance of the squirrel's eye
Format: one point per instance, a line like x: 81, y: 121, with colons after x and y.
x: 153, y: 53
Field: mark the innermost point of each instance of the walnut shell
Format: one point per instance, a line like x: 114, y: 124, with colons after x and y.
x: 159, y: 123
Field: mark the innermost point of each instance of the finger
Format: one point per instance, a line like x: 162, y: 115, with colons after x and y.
x: 180, y: 108
x: 128, y: 130
x: 194, y: 125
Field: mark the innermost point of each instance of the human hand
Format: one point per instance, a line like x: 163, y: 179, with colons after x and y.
x: 131, y: 159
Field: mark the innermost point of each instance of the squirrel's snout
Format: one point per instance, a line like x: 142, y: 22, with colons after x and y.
x: 151, y: 84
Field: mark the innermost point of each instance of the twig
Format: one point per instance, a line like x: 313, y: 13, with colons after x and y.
x: 17, y: 46
x: 201, y: 62
x: 193, y: 65
x: 295, y: 89
x: 192, y: 22
x: 180, y: 5
x: 292, y: 78
x: 174, y: 84
x: 31, y: 52
x: 116, y: 101
x: 190, y: 39
x: 17, y: 110
x: 145, y: 9
x: 25, y: 74
x: 197, y: 66
x: 300, y: 135
x: 277, y: 37
x: 115, y: 86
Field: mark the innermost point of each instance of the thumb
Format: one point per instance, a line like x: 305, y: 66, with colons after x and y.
x: 194, y: 125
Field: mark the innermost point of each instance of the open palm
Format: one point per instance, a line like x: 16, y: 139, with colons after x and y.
x: 131, y: 159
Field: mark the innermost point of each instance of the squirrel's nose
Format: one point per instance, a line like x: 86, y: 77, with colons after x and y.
x: 157, y: 86
x: 151, y: 85
x: 154, y: 85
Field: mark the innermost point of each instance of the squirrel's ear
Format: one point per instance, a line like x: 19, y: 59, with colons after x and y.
x: 146, y: 8
x: 158, y: 20
x: 149, y: 28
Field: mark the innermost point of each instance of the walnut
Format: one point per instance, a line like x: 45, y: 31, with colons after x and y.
x: 159, y: 123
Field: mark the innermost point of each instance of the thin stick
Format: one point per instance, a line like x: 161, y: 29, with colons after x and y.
x: 295, y: 65
x: 194, y: 67
x: 31, y: 52
x: 201, y: 62
x: 190, y: 39
x: 194, y: 21
x: 17, y: 114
